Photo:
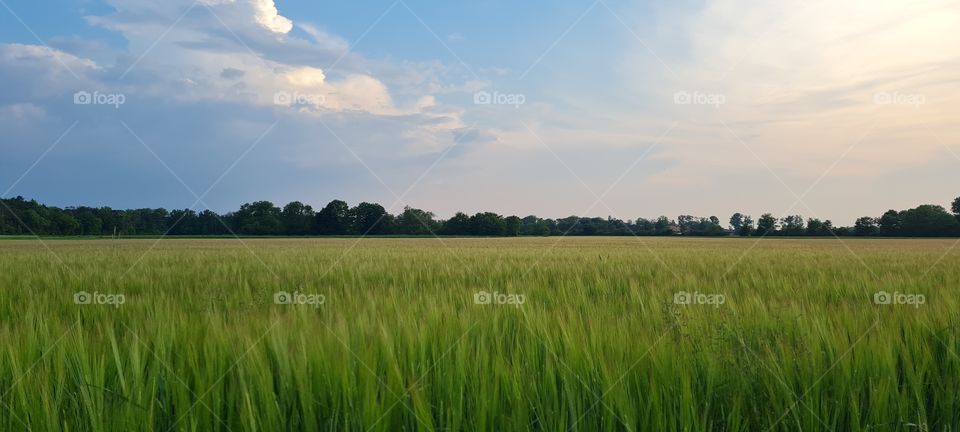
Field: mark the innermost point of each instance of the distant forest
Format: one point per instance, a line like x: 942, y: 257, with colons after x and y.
x: 19, y: 216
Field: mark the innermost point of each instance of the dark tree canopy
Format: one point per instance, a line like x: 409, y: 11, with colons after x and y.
x: 865, y: 226
x: 334, y: 219
x: 891, y: 223
x: 929, y: 221
x: 259, y: 218
x: 767, y: 224
x: 297, y: 218
x: 19, y: 216
x: 416, y: 222
x: 370, y: 219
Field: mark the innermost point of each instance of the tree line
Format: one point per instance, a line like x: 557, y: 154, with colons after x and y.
x: 19, y: 216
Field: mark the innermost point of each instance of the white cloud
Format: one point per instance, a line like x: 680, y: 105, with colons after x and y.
x: 268, y: 16
x: 324, y: 39
x: 800, y: 81
x: 199, y: 92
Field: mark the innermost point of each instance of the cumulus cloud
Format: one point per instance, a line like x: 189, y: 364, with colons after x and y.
x: 268, y: 16
x: 802, y: 84
x: 201, y: 91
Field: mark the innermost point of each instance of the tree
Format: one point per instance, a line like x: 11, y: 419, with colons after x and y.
x: 686, y: 223
x: 459, y: 224
x: 570, y: 225
x: 147, y: 221
x: 766, y: 225
x: 736, y: 222
x: 891, y: 223
x: 512, y: 228
x: 929, y: 221
x: 792, y: 225
x: 662, y: 226
x: 90, y: 224
x: 297, y: 218
x: 865, y: 226
x: 534, y: 226
x: 487, y: 224
x: 416, y: 222
x: 5, y: 221
x: 182, y: 222
x: 19, y: 216
x: 210, y: 223
x: 259, y: 218
x: 828, y: 227
x: 370, y: 219
x: 110, y: 219
x: 334, y: 219
x: 65, y: 224
x: 747, y: 227
x: 816, y: 227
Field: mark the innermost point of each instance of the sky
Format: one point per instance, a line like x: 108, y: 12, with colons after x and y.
x: 832, y: 110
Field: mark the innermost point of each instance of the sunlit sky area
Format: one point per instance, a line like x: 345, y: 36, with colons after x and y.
x: 608, y: 108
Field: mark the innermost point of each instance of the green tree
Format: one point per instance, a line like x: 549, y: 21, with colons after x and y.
x: 736, y: 222
x: 686, y: 223
x: 534, y: 226
x: 792, y: 225
x: 767, y: 224
x: 90, y: 224
x: 416, y: 222
x: 66, y: 224
x: 956, y: 207
x: 487, y: 224
x: 929, y: 221
x: 816, y: 227
x: 32, y: 219
x: 183, y: 222
x: 334, y: 219
x: 662, y: 226
x: 5, y: 220
x: 865, y: 226
x: 512, y: 226
x: 210, y: 223
x: 459, y: 224
x: 643, y: 226
x: 891, y: 223
x: 110, y: 219
x: 370, y: 219
x: 259, y: 218
x: 297, y: 218
x: 746, y: 228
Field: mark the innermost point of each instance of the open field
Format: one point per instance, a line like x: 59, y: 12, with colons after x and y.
x: 791, y: 336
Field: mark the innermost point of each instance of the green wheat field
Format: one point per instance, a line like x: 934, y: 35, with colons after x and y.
x: 541, y: 334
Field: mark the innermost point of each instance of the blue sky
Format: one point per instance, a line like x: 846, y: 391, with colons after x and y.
x: 629, y: 109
